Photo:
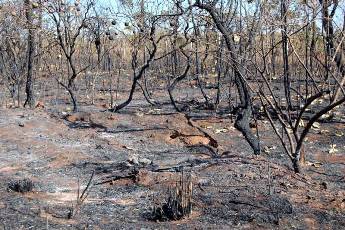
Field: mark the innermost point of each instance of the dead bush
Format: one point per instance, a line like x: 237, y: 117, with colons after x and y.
x: 24, y: 185
x: 178, y: 203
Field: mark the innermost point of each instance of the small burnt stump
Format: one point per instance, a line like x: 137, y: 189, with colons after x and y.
x: 25, y: 185
x: 178, y: 204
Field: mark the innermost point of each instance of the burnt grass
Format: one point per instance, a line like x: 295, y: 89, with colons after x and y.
x: 136, y: 161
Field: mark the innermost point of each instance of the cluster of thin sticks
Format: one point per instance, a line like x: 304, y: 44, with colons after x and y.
x: 179, y: 202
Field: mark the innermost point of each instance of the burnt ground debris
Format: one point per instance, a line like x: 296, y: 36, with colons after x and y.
x: 234, y: 189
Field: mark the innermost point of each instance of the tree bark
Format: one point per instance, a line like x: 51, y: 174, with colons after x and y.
x: 244, y: 110
x: 333, y: 51
x: 138, y: 76
x: 30, y: 57
x: 287, y: 83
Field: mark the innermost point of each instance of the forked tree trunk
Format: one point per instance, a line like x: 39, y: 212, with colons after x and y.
x: 244, y: 111
x: 139, y: 75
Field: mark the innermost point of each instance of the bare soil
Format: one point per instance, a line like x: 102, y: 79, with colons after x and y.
x: 233, y: 189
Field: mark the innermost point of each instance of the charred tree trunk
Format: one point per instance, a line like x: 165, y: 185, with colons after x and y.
x: 219, y: 67
x: 139, y: 75
x: 287, y: 83
x: 175, y: 82
x: 30, y: 57
x: 244, y: 110
x: 273, y: 54
x: 72, y: 95
x: 332, y: 51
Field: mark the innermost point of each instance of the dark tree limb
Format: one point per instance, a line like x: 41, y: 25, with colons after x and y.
x: 141, y: 72
x: 244, y: 110
x: 30, y: 56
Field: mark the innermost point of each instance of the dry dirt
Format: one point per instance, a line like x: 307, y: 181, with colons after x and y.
x: 232, y: 188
